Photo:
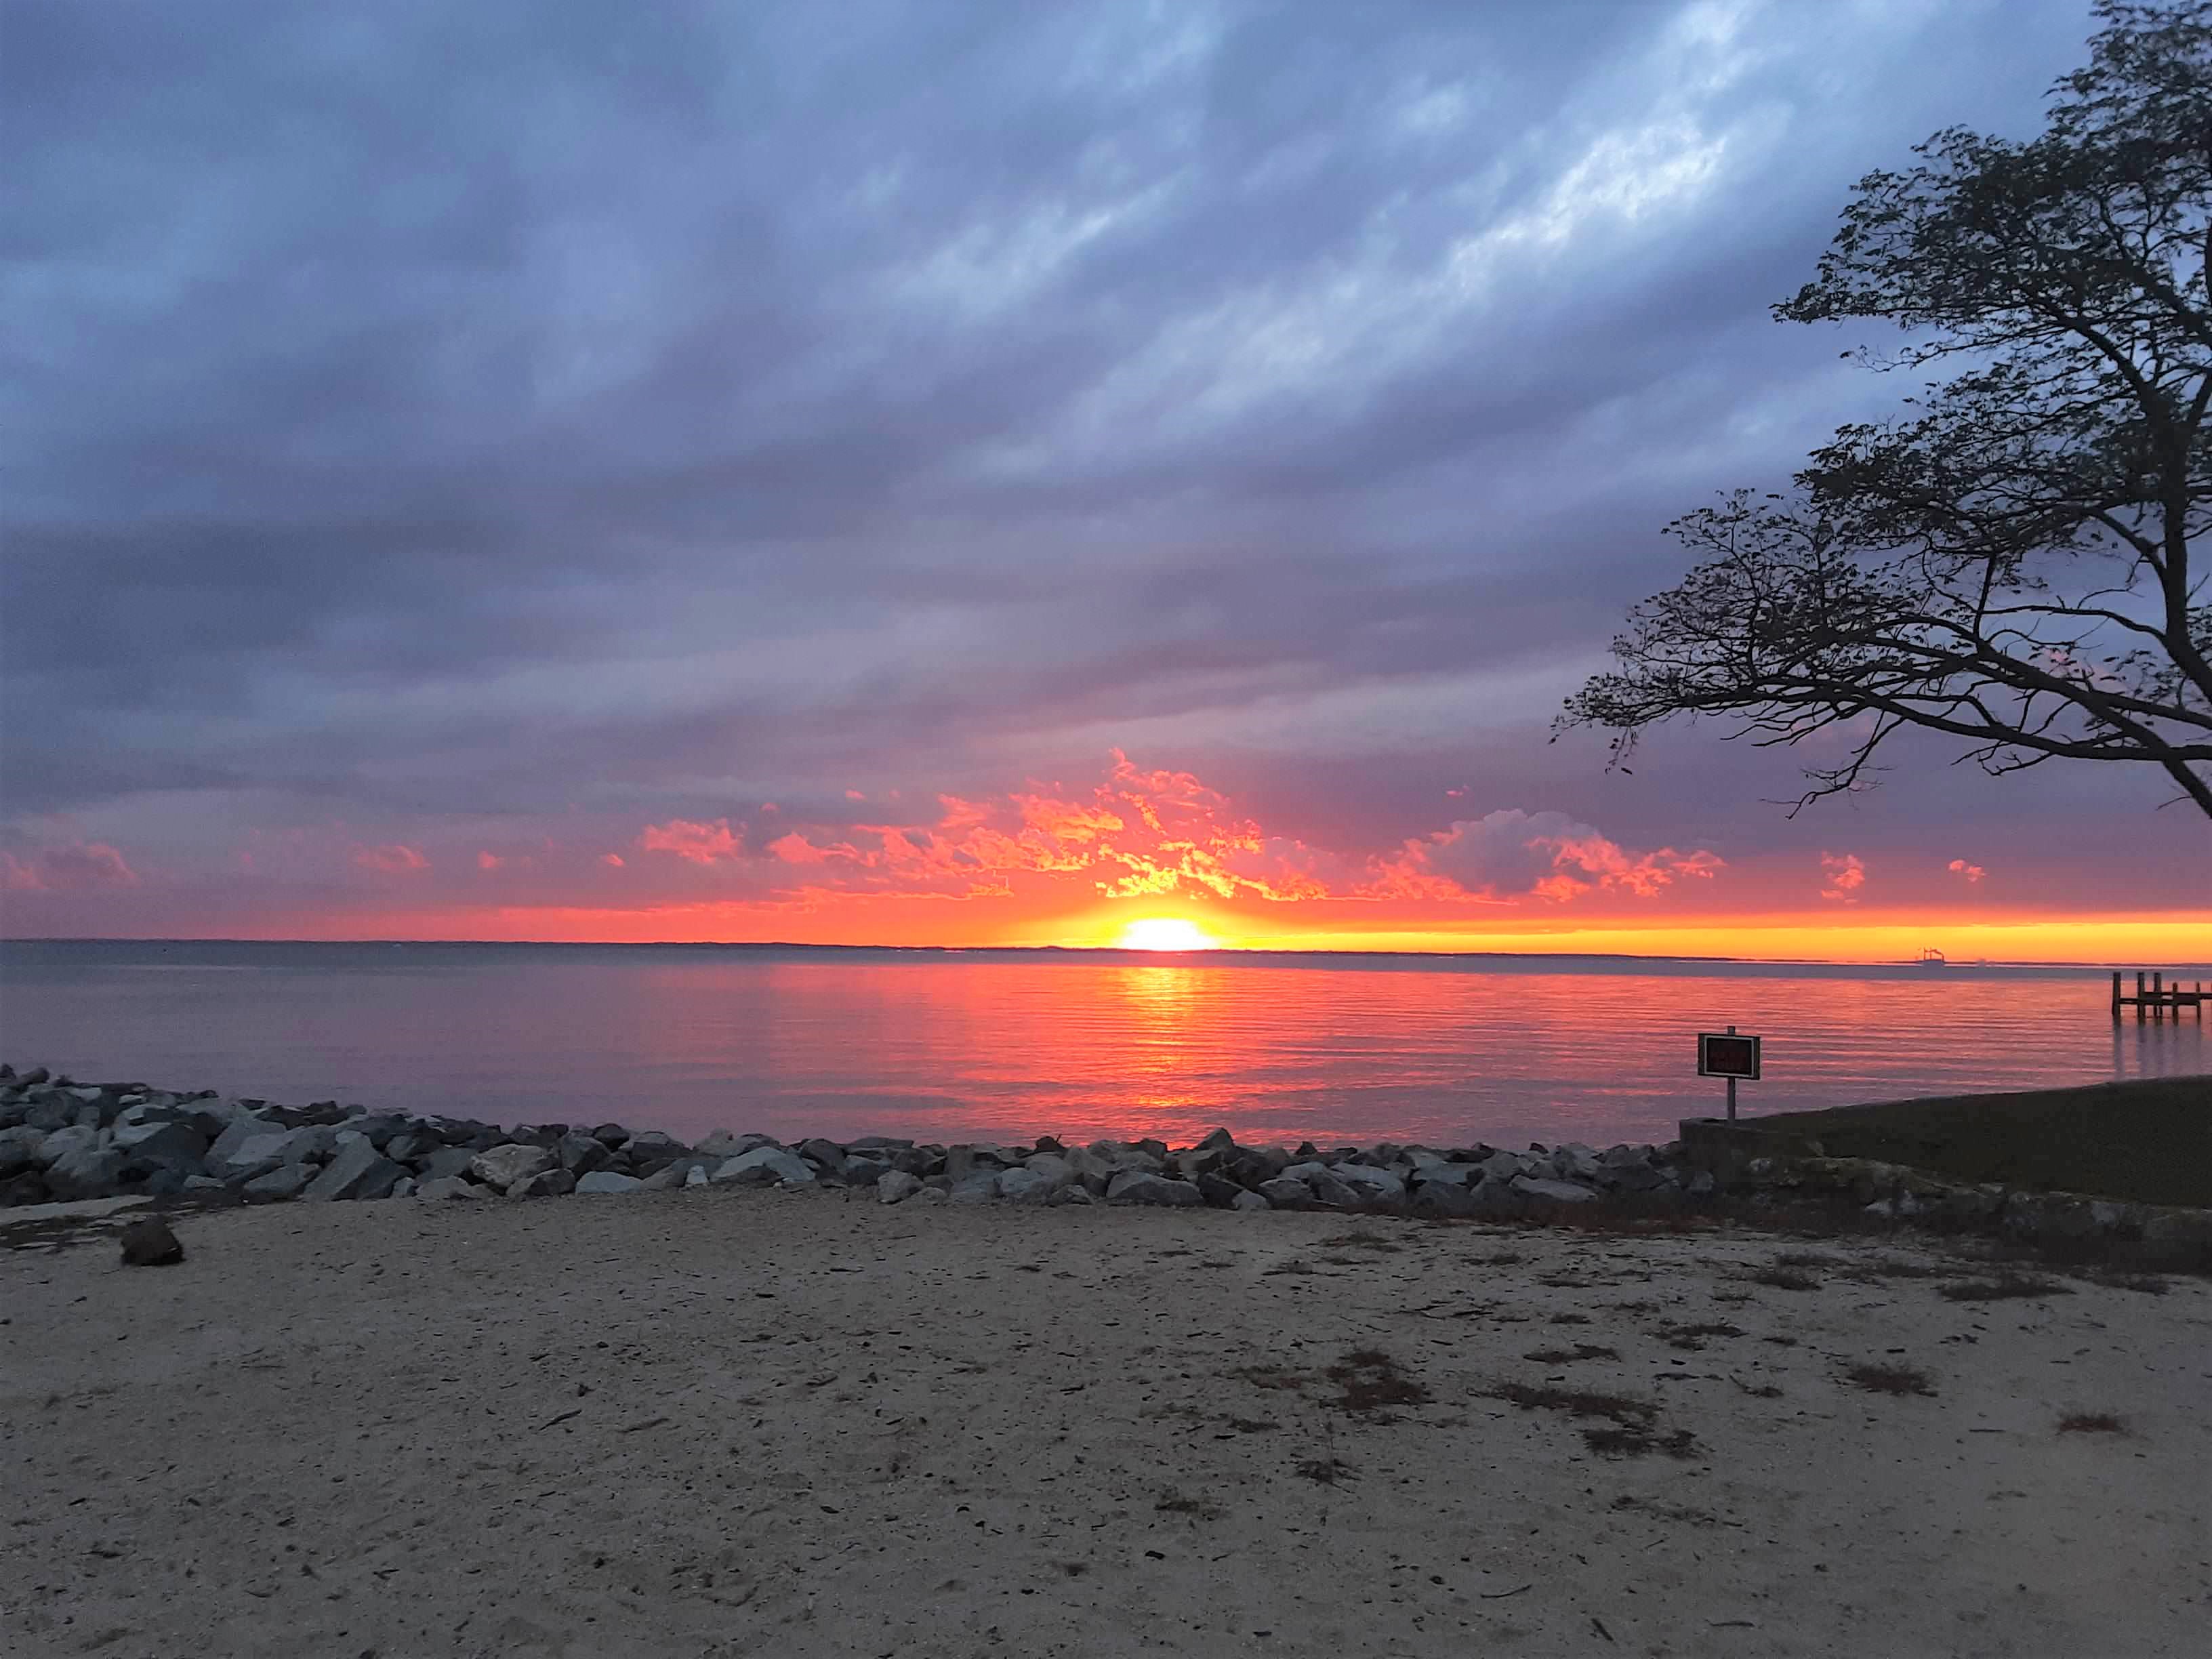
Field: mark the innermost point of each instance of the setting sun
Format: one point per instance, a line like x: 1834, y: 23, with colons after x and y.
x: 1166, y: 933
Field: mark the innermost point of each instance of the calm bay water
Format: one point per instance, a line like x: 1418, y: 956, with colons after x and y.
x: 1007, y: 1044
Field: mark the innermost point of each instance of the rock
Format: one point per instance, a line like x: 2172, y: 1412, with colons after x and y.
x: 1440, y: 1172
x: 612, y: 1136
x: 828, y: 1154
x: 241, y: 1129
x: 1248, y: 1201
x: 546, y: 1184
x: 667, y: 1179
x: 581, y: 1154
x: 403, y: 1188
x: 695, y: 1174
x: 722, y: 1145
x: 607, y: 1181
x: 86, y: 1172
x: 764, y: 1165
x: 865, y: 1171
x: 378, y: 1127
x: 29, y: 1187
x: 203, y: 1183
x: 930, y: 1195
x: 149, y: 1243
x: 1026, y: 1186
x: 286, y: 1180
x: 1286, y: 1193
x: 977, y: 1186
x: 510, y: 1165
x: 1501, y: 1166
x: 1374, y: 1185
x: 58, y: 1143
x: 1575, y: 1161
x: 358, y: 1170
x: 1220, y: 1191
x: 1141, y: 1187
x: 1330, y: 1191
x: 649, y: 1151
x: 896, y: 1185
x: 446, y: 1162
x: 1552, y: 1192
x: 176, y: 1146
x: 19, y: 1148
x: 447, y: 1186
x: 1445, y: 1198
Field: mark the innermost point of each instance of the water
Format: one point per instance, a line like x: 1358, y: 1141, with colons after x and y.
x: 1008, y: 1044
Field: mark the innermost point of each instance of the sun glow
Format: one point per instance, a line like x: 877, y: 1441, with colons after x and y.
x: 1166, y: 933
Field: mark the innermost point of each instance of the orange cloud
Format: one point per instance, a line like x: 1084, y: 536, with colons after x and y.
x: 1973, y: 872
x: 81, y: 866
x: 1511, y: 854
x: 394, y: 858
x: 1843, y: 875
x: 696, y: 843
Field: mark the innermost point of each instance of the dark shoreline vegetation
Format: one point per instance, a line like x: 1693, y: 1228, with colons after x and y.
x: 63, y: 1141
x: 2149, y: 1141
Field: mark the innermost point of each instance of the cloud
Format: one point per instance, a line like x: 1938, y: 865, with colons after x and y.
x: 1511, y: 855
x: 694, y: 843
x: 1842, y: 876
x: 612, y: 860
x: 488, y: 861
x: 394, y: 858
x: 79, y: 866
x: 1972, y: 873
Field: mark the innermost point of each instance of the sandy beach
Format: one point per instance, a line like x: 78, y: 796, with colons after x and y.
x: 718, y: 1422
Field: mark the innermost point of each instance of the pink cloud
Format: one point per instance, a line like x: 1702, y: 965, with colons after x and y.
x: 1973, y: 872
x: 696, y: 843
x: 1511, y: 854
x: 612, y: 860
x: 394, y: 858
x: 1842, y: 875
x: 488, y: 861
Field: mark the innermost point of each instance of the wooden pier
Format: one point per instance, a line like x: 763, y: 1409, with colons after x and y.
x: 2153, y: 1000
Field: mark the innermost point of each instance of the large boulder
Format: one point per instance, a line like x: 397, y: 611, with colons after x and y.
x: 827, y: 1155
x: 978, y: 1186
x: 598, y: 1181
x: 1552, y: 1192
x: 649, y: 1151
x: 58, y: 1143
x: 1028, y: 1186
x: 1142, y: 1186
x: 85, y: 1172
x: 151, y: 1146
x: 897, y: 1184
x: 242, y: 1127
x: 356, y: 1171
x: 580, y: 1154
x: 1373, y: 1185
x: 1286, y: 1193
x: 19, y: 1148
x: 446, y: 1162
x: 765, y: 1166
x: 447, y: 1186
x: 546, y: 1184
x: 725, y: 1144
x: 286, y: 1180
x: 510, y: 1165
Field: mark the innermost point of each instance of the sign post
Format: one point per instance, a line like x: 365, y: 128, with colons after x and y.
x: 1728, y: 1054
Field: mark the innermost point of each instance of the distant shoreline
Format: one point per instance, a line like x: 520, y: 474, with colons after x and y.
x: 1232, y: 953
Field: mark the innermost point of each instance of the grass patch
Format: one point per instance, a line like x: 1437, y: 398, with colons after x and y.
x: 1896, y: 1268
x: 1272, y: 1377
x: 1575, y: 1402
x: 1634, y: 1440
x: 1892, y: 1379
x: 1173, y: 1502
x: 2006, y: 1286
x: 1581, y: 1350
x: 1371, y: 1382
x: 1690, y: 1338
x: 2091, y: 1423
x: 1807, y: 1259
x: 1779, y: 1278
x: 2149, y: 1141
x: 1362, y: 1240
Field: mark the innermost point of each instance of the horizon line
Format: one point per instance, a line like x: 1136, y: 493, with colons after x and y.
x: 1087, y: 949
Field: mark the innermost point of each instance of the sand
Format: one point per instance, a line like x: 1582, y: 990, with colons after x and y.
x: 724, y: 1423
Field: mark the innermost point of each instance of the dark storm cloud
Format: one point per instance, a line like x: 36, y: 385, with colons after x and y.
x: 425, y: 414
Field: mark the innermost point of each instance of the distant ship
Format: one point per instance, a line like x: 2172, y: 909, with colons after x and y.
x: 1932, y: 957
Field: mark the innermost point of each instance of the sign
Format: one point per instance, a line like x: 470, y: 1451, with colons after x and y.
x: 1725, y: 1054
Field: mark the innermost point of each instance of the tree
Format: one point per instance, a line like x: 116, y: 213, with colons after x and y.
x: 2008, y: 562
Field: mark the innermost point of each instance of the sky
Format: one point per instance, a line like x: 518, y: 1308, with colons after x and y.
x: 960, y: 475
